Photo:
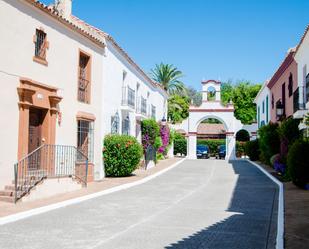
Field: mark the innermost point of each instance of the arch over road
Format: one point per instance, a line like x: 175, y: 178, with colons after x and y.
x: 214, y: 109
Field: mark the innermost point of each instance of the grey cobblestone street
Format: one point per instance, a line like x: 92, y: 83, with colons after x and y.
x: 199, y: 204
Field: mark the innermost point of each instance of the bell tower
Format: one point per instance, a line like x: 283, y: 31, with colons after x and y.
x: 211, y: 90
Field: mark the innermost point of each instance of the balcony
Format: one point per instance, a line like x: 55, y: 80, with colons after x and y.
x: 128, y: 98
x: 299, y: 107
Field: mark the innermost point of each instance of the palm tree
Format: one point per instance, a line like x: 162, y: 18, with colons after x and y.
x: 169, y: 77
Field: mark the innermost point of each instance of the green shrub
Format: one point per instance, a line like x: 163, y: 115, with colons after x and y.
x: 213, y: 144
x: 269, y: 142
x: 122, y: 154
x: 158, y: 143
x: 252, y: 150
x: 180, y: 146
x: 177, y: 135
x: 150, y: 130
x: 240, y: 148
x: 298, y: 163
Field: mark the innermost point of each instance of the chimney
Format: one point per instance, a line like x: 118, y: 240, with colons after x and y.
x: 64, y: 8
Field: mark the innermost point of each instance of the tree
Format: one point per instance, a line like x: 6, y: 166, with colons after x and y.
x: 169, y: 77
x: 226, y: 92
x: 178, y: 108
x: 195, y: 96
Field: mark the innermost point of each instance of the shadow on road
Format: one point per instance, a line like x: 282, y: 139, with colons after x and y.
x: 255, y: 198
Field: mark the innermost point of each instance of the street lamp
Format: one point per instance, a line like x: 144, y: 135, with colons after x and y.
x: 279, y: 110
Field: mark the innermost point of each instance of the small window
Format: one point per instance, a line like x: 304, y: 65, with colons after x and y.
x: 290, y: 85
x: 126, y: 125
x: 272, y: 101
x: 115, y: 124
x: 153, y: 111
x: 307, y: 88
x: 124, y: 75
x: 85, y: 138
x: 263, y: 107
x: 84, y: 83
x: 41, y: 45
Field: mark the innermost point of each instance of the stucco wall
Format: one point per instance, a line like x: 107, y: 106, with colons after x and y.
x: 276, y: 91
x: 263, y: 96
x: 18, y: 24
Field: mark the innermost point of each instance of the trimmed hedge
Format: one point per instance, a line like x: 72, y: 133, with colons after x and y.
x: 180, y: 146
x: 298, y: 163
x: 122, y: 154
x: 252, y: 150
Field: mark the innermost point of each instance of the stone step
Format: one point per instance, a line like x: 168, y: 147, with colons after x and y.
x: 9, y: 199
x: 6, y: 193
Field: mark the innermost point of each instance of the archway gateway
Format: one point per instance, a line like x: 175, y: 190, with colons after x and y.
x: 213, y: 108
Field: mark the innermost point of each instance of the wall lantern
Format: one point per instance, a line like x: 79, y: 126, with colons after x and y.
x: 279, y: 110
x: 163, y: 121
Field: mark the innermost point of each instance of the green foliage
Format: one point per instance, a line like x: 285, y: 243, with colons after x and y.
x: 159, y: 156
x: 178, y: 136
x: 158, y: 142
x: 211, y: 121
x: 240, y: 148
x: 252, y: 150
x: 269, y: 141
x: 169, y: 77
x: 226, y: 92
x: 194, y: 96
x: 213, y: 144
x: 150, y: 130
x: 122, y: 154
x: 242, y: 135
x: 298, y: 163
x: 180, y: 146
x: 289, y: 130
x: 178, y: 108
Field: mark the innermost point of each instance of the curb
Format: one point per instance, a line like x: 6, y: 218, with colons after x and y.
x: 44, y: 209
x: 280, y: 223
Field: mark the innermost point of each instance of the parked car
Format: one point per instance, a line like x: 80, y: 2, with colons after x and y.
x: 202, y: 151
x: 221, y: 152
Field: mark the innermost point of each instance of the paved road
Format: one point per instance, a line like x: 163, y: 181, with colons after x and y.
x: 199, y: 204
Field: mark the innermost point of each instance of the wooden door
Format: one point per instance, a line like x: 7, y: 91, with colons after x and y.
x: 35, y: 129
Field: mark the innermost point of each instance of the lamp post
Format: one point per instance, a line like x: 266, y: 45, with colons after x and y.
x: 163, y: 121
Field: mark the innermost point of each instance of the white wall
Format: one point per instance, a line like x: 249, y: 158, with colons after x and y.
x: 17, y: 27
x: 114, y: 64
x: 263, y: 117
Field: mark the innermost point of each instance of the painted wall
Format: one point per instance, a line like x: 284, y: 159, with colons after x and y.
x: 276, y: 91
x: 114, y: 65
x: 18, y: 24
x: 262, y: 100
x: 302, y: 59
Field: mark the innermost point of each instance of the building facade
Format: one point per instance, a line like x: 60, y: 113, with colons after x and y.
x: 262, y: 101
x: 65, y: 84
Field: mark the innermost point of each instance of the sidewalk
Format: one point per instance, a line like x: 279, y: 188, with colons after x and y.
x: 296, y: 214
x: 106, y: 183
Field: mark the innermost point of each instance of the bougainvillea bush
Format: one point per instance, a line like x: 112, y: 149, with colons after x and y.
x: 150, y: 130
x: 122, y: 154
x: 165, y: 137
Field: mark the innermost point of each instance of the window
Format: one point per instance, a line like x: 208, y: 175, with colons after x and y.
x: 143, y: 106
x: 153, y: 111
x: 272, y: 101
x: 85, y: 138
x: 124, y: 75
x: 307, y: 88
x: 115, y: 124
x: 263, y: 107
x: 41, y: 45
x: 126, y: 125
x: 131, y: 97
x: 84, y: 78
x: 290, y: 85
x: 267, y: 109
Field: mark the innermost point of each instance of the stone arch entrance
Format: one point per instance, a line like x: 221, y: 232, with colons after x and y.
x: 213, y: 109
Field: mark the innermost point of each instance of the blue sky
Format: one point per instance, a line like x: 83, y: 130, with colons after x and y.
x: 205, y: 39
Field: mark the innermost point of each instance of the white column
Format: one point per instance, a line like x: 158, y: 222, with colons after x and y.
x: 170, y: 153
x: 191, y: 153
x: 230, y: 146
x: 218, y: 96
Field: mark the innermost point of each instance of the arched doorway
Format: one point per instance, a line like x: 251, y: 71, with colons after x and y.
x: 242, y: 136
x: 211, y: 139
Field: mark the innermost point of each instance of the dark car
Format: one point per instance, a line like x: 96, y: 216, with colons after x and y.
x: 202, y: 151
x: 221, y: 152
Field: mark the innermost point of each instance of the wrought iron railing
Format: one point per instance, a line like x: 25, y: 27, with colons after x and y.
x: 141, y: 106
x: 298, y: 99
x: 128, y: 97
x: 49, y: 161
x: 83, y: 90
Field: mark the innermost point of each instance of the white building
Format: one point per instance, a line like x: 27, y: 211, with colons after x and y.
x: 63, y: 82
x: 262, y: 101
x: 302, y: 59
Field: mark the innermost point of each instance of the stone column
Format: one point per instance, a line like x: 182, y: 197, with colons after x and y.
x: 191, y: 152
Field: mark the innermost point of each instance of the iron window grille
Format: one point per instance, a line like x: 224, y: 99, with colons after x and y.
x: 83, y: 79
x: 143, y: 106
x: 115, y: 124
x: 126, y: 126
x: 131, y: 97
x: 40, y: 44
x: 85, y: 135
